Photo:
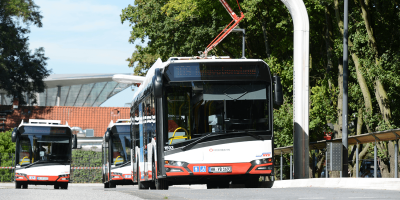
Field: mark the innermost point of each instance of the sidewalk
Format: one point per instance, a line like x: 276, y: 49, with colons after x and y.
x: 350, y: 183
x: 353, y: 183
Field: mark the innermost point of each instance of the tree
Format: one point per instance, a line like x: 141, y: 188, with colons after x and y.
x: 21, y: 71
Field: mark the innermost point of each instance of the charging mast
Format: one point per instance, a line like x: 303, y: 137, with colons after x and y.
x: 301, y: 58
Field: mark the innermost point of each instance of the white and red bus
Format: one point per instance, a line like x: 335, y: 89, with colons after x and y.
x: 204, y: 121
x: 116, y: 151
x: 43, y: 153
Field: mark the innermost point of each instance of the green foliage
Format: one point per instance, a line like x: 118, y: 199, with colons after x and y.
x: 7, y: 149
x: 6, y: 145
x: 82, y: 158
x: 21, y: 71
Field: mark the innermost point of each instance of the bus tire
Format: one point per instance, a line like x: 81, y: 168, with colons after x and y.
x: 252, y: 182
x: 25, y: 186
x: 111, y: 184
x: 17, y: 185
x: 56, y: 186
x: 106, y: 185
x: 161, y: 184
x: 212, y: 185
x: 142, y: 185
x: 153, y: 176
x: 64, y: 186
x: 224, y: 184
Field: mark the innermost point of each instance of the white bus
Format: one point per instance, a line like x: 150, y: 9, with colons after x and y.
x: 204, y: 121
x: 116, y: 151
x: 43, y: 153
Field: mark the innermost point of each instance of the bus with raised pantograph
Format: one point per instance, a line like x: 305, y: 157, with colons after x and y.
x: 204, y: 121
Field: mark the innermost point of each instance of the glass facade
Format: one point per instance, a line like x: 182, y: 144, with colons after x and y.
x: 96, y: 91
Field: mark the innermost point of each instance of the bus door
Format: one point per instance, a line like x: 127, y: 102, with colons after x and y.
x: 141, y: 133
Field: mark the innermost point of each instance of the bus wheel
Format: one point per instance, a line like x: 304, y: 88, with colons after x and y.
x: 106, y: 185
x: 212, y: 185
x: 252, y: 182
x: 25, y: 186
x: 111, y: 185
x: 56, y: 187
x: 142, y: 185
x: 153, y: 176
x: 17, y: 185
x: 161, y: 184
x: 64, y: 186
x: 224, y: 184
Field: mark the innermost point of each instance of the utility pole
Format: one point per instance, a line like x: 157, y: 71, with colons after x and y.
x: 345, y: 90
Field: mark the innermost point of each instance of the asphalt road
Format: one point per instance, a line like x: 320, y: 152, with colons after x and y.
x: 97, y: 192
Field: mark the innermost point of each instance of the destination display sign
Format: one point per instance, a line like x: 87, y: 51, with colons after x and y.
x: 123, y: 128
x: 44, y: 130
x: 217, y: 71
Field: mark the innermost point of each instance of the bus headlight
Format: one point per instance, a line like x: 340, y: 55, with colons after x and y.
x: 174, y: 163
x: 262, y: 161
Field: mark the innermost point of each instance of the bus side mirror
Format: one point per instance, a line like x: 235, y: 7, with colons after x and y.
x: 278, y: 94
x: 74, y: 142
x: 107, y: 136
x: 157, y: 81
x: 14, y: 135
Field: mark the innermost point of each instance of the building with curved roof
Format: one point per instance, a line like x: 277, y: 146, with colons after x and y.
x: 81, y: 90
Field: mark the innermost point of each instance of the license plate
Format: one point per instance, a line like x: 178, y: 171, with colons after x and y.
x: 127, y: 176
x: 43, y: 178
x: 220, y: 169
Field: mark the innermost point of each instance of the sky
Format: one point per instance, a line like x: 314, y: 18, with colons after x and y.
x: 85, y: 36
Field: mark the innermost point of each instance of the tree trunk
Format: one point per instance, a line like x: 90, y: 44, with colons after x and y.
x: 338, y: 125
x: 360, y: 77
x: 264, y: 29
x: 380, y: 92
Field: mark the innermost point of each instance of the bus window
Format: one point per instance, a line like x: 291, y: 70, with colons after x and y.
x: 25, y: 151
x: 178, y: 102
x: 117, y: 151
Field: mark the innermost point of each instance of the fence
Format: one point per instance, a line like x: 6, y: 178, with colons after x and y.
x: 86, y: 167
x: 366, y: 169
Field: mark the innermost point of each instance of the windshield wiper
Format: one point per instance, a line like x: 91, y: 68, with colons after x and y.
x: 254, y: 135
x: 123, y: 164
x: 249, y: 132
x: 31, y: 164
x: 189, y: 146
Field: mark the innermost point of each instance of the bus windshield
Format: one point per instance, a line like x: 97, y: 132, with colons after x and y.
x: 121, y: 149
x: 223, y: 107
x: 43, y: 148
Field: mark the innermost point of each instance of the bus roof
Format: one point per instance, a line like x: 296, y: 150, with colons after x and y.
x: 43, y: 122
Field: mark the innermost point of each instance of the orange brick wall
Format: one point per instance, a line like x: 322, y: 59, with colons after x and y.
x: 96, y: 118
